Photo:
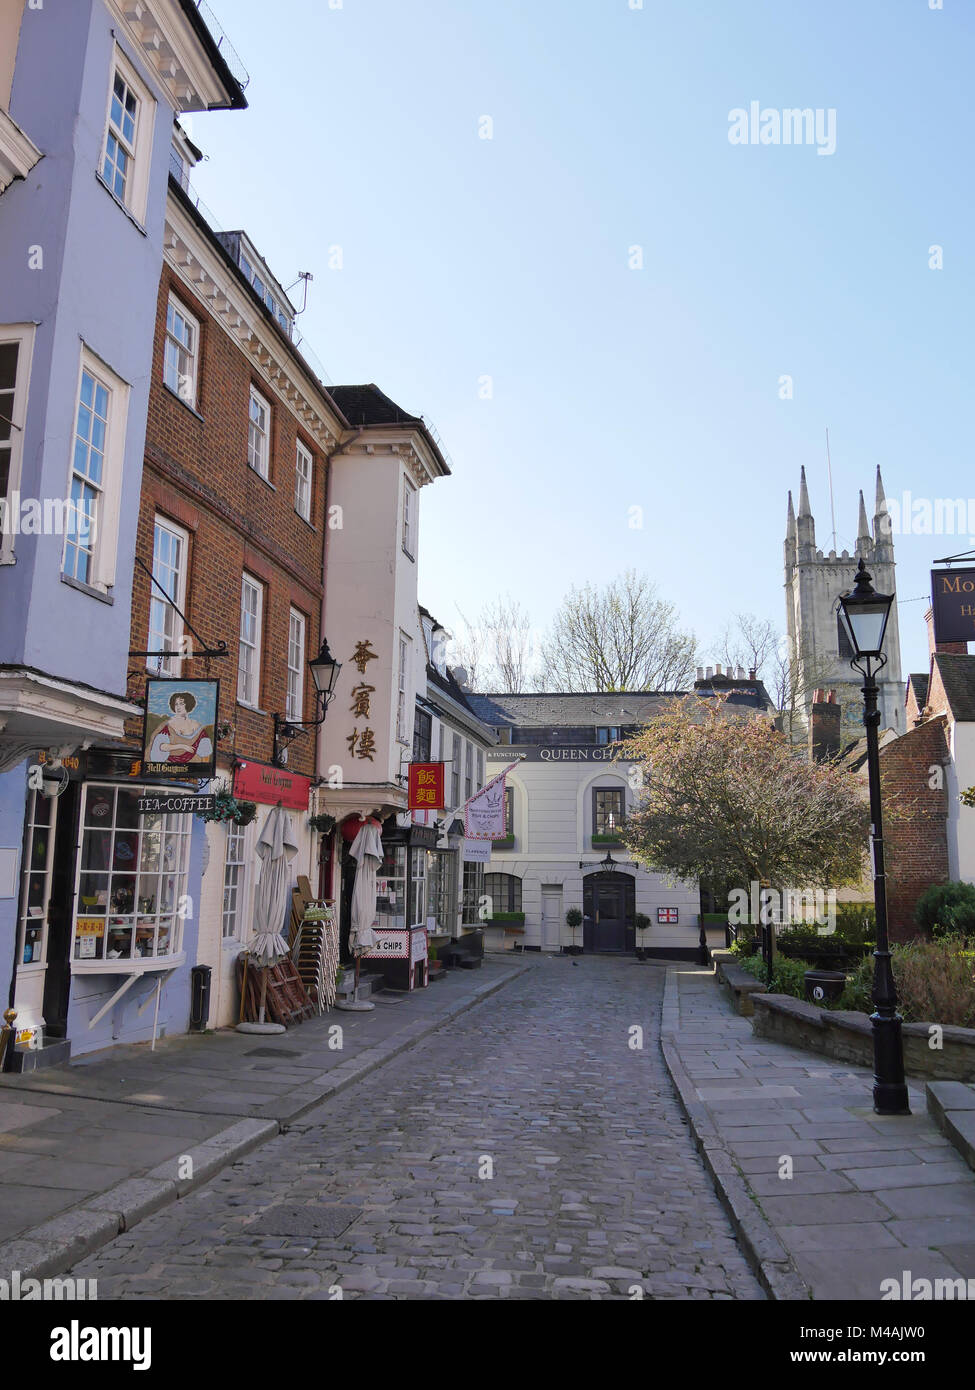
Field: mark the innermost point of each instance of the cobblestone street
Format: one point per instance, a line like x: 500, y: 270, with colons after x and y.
x: 526, y: 1150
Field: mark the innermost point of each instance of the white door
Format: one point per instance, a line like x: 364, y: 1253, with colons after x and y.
x: 551, y: 918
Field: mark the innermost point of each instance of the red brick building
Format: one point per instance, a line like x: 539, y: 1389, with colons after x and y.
x: 232, y: 529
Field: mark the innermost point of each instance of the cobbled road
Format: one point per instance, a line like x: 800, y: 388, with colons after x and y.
x: 525, y: 1151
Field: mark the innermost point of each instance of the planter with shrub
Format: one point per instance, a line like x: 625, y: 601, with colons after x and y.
x: 641, y: 924
x: 573, y: 920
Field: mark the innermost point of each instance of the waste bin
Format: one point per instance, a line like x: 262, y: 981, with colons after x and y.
x: 823, y: 985
x: 199, y: 997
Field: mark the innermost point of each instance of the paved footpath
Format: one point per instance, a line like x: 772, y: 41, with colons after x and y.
x: 525, y: 1151
x: 869, y: 1196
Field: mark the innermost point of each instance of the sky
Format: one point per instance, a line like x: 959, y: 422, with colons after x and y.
x: 598, y: 304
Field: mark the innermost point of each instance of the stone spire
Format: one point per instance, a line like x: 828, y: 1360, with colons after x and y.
x: 882, y: 522
x: 791, y: 536
x: 863, y: 530
x: 805, y: 526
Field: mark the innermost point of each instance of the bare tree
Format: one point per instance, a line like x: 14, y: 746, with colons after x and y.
x: 499, y: 650
x: 621, y: 637
x: 750, y: 642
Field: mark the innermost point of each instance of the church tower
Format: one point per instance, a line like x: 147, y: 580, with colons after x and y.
x: 818, y: 648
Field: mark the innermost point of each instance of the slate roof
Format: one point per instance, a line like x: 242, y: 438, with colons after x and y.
x: 567, y: 711
x: 367, y: 405
x: 958, y: 679
x: 919, y: 684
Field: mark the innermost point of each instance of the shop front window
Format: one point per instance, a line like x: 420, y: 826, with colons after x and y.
x: 391, y: 887
x: 131, y: 881
x: 442, y: 891
x: 36, y: 886
x: 473, y: 889
x: 418, y: 875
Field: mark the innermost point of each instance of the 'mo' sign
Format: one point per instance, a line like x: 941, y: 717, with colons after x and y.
x: 953, y: 601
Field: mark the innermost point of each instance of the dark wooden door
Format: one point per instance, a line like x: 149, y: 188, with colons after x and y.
x: 608, y: 908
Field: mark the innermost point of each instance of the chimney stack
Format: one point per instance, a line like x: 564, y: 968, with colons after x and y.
x: 700, y: 673
x: 951, y: 648
x: 824, y: 727
x: 709, y: 672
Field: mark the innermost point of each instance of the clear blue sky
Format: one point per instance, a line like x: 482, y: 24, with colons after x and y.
x: 614, y: 388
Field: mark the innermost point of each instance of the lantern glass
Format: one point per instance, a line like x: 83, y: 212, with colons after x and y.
x: 864, y: 614
x: 324, y: 671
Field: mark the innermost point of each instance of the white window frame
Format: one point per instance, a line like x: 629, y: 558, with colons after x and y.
x: 236, y: 915
x: 409, y: 518
x: 403, y: 705
x: 255, y: 398
x: 165, y: 915
x: 139, y: 149
x: 468, y: 770
x: 186, y: 382
x: 158, y: 638
x: 304, y: 480
x: 294, y: 703
x: 23, y: 335
x: 104, y: 540
x: 248, y: 581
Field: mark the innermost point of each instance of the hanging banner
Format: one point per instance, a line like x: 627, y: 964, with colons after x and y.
x: 953, y: 602
x: 426, y: 787
x: 178, y: 738
x: 477, y: 851
x: 484, y: 813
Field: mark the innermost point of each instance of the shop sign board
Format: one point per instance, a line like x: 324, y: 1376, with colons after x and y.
x: 391, y: 944
x: 179, y: 743
x: 477, y: 851
x: 953, y: 602
x: 176, y: 805
x: 268, y: 785
x: 426, y: 787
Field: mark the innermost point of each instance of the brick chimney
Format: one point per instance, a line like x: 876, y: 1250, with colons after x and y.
x: 824, y: 727
x: 953, y: 648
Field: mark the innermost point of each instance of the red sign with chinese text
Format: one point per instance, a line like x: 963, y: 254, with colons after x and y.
x: 269, y: 785
x: 426, y: 787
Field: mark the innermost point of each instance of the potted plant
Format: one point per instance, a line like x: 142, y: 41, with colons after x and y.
x: 641, y: 923
x: 323, y: 823
x: 573, y: 920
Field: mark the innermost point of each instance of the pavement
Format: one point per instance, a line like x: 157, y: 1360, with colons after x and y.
x: 92, y: 1147
x: 827, y: 1198
x: 533, y: 1150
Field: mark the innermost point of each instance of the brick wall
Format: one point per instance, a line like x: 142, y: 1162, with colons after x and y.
x: 915, y: 816
x: 196, y: 474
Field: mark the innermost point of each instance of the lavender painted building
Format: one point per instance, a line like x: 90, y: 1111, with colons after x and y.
x: 89, y: 90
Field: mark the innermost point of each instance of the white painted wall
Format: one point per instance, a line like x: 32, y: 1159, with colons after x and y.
x: 961, y: 819
x: 552, y: 828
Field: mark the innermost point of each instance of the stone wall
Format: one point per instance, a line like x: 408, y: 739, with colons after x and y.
x: 848, y: 1037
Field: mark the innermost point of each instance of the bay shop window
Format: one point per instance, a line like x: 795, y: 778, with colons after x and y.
x: 130, y: 896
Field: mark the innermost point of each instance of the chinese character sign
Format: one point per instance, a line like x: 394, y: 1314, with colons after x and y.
x: 426, y: 787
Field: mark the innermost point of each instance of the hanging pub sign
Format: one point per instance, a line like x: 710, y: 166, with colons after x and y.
x: 953, y: 602
x: 178, y: 735
x: 426, y: 787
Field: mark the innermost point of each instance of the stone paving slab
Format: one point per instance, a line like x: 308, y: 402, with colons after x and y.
x: 82, y: 1137
x: 851, y: 1197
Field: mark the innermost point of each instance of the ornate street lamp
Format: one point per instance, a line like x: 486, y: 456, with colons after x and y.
x: 864, y: 614
x: 324, y: 672
x: 608, y: 864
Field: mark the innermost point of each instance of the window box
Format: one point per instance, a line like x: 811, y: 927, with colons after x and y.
x: 514, y: 920
x: 507, y: 843
x: 607, y: 841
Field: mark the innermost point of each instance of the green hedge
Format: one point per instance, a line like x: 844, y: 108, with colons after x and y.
x: 506, y: 919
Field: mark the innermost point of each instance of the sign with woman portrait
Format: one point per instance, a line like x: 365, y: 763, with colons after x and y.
x: 179, y: 742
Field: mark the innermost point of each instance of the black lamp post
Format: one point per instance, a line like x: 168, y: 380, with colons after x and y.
x: 864, y: 614
x: 324, y: 672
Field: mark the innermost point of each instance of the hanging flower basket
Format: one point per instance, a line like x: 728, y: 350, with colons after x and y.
x: 323, y: 823
x: 227, y: 808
